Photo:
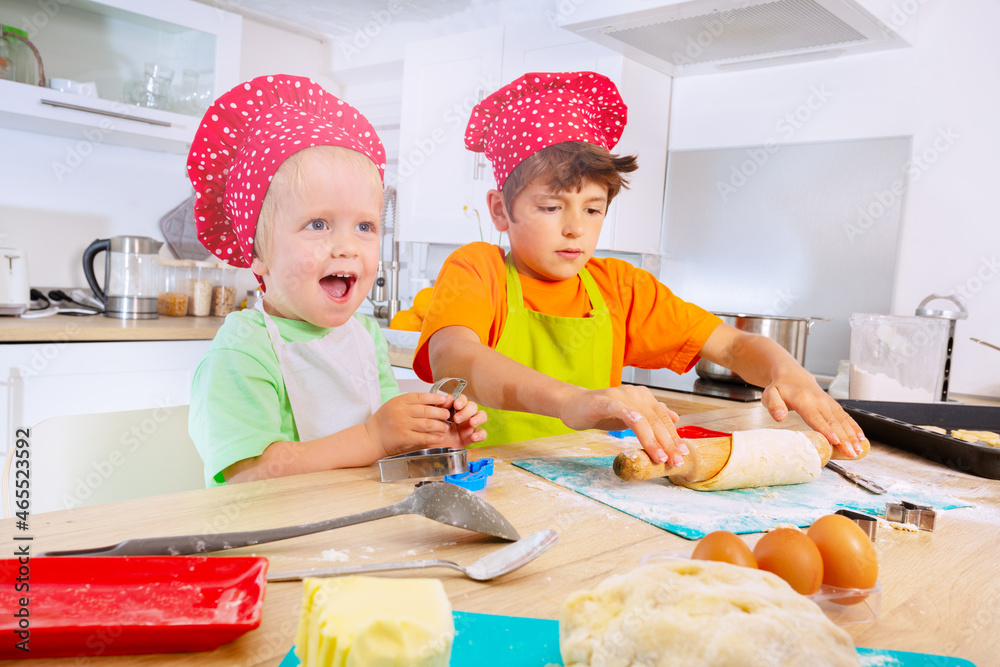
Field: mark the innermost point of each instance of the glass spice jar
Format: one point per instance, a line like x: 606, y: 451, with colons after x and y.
x: 173, y: 287
x: 224, y: 291
x: 202, y: 280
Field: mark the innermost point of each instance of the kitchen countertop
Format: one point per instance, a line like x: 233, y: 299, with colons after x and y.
x: 940, y: 589
x: 70, y: 328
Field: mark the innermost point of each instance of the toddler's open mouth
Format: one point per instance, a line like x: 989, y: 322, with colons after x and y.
x: 338, y: 285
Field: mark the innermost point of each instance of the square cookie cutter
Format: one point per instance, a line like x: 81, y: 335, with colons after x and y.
x: 866, y: 522
x: 921, y: 516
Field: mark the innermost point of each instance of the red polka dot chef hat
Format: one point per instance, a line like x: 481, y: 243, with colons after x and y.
x: 541, y: 109
x: 243, y: 139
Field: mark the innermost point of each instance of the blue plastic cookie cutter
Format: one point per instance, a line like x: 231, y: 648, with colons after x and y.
x: 622, y: 434
x: 475, y: 479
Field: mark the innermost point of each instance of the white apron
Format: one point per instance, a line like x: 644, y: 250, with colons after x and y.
x: 332, y: 382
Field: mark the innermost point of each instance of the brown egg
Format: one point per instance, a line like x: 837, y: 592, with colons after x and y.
x: 849, y: 559
x: 725, y: 547
x: 791, y: 555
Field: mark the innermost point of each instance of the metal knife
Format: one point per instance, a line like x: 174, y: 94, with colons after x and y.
x: 863, y: 482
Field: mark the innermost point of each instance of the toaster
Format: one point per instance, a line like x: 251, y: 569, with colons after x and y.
x: 15, y: 294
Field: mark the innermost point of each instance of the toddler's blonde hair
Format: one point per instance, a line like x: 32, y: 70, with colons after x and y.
x: 287, y: 180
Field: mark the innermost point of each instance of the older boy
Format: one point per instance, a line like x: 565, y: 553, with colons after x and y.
x: 289, y: 183
x: 547, y: 328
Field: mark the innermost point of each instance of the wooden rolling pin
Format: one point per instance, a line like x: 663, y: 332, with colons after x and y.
x: 706, y: 458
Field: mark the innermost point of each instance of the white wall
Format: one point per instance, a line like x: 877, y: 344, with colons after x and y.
x: 115, y: 190
x: 945, y: 93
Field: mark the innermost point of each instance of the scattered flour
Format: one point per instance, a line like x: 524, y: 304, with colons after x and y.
x: 334, y: 556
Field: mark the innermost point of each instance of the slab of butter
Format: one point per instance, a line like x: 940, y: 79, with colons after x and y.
x: 355, y: 621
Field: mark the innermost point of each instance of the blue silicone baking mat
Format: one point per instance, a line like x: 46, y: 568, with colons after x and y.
x: 485, y: 640
x: 694, y: 514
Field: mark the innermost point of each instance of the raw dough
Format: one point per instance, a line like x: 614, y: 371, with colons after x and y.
x: 361, y: 621
x: 682, y: 613
x: 980, y: 437
x: 764, y: 457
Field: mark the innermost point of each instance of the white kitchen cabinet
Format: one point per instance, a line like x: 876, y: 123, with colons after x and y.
x: 109, y: 42
x: 441, y: 183
x: 42, y: 380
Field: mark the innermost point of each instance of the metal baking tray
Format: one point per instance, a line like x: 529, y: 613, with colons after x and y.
x: 897, y: 424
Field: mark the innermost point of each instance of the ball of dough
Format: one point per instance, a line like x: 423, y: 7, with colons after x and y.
x: 682, y: 612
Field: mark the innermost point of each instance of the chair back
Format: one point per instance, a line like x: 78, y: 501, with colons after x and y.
x: 80, y: 460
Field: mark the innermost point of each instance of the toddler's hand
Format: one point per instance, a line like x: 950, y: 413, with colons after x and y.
x: 409, y: 422
x: 468, y: 418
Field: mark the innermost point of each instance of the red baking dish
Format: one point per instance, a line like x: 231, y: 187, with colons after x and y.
x: 128, y: 605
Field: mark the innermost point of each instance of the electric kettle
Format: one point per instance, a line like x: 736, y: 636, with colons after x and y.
x: 130, y: 271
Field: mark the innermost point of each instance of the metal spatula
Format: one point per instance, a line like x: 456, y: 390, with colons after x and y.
x: 445, y: 503
x: 490, y: 566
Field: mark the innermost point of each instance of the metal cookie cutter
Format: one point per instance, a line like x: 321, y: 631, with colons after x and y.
x: 867, y: 523
x: 460, y: 385
x: 921, y: 516
x: 435, y: 462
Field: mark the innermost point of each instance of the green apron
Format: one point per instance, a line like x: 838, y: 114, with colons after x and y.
x: 576, y: 350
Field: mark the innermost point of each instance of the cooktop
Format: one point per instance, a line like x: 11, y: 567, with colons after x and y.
x: 690, y: 383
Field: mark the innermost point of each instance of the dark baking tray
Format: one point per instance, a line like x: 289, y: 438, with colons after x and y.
x: 897, y: 424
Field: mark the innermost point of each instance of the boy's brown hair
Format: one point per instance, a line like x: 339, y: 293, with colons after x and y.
x: 564, y: 166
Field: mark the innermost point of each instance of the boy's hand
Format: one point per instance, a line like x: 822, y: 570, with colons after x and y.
x: 797, y: 389
x: 467, y: 420
x: 637, y: 408
x: 409, y: 422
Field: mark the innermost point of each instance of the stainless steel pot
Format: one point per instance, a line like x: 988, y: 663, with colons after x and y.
x: 789, y: 332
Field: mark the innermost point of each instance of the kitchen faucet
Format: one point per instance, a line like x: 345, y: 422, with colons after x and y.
x: 389, y: 310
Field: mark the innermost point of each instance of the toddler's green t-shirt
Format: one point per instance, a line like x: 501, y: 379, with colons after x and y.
x: 239, y: 405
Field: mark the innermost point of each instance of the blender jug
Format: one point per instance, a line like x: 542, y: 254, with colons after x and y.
x: 130, y: 276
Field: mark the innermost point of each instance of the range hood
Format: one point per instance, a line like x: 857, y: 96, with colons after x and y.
x: 690, y: 37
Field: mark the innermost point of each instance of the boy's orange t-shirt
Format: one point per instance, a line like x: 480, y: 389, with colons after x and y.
x: 652, y: 328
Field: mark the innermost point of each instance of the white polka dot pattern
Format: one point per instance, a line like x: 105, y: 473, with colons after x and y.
x: 540, y: 109
x: 243, y: 139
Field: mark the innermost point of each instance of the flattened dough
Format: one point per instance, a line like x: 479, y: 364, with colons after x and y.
x: 764, y: 457
x: 680, y: 613
x: 979, y: 437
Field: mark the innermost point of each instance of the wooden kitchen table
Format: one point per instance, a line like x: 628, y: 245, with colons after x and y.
x: 941, y: 590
